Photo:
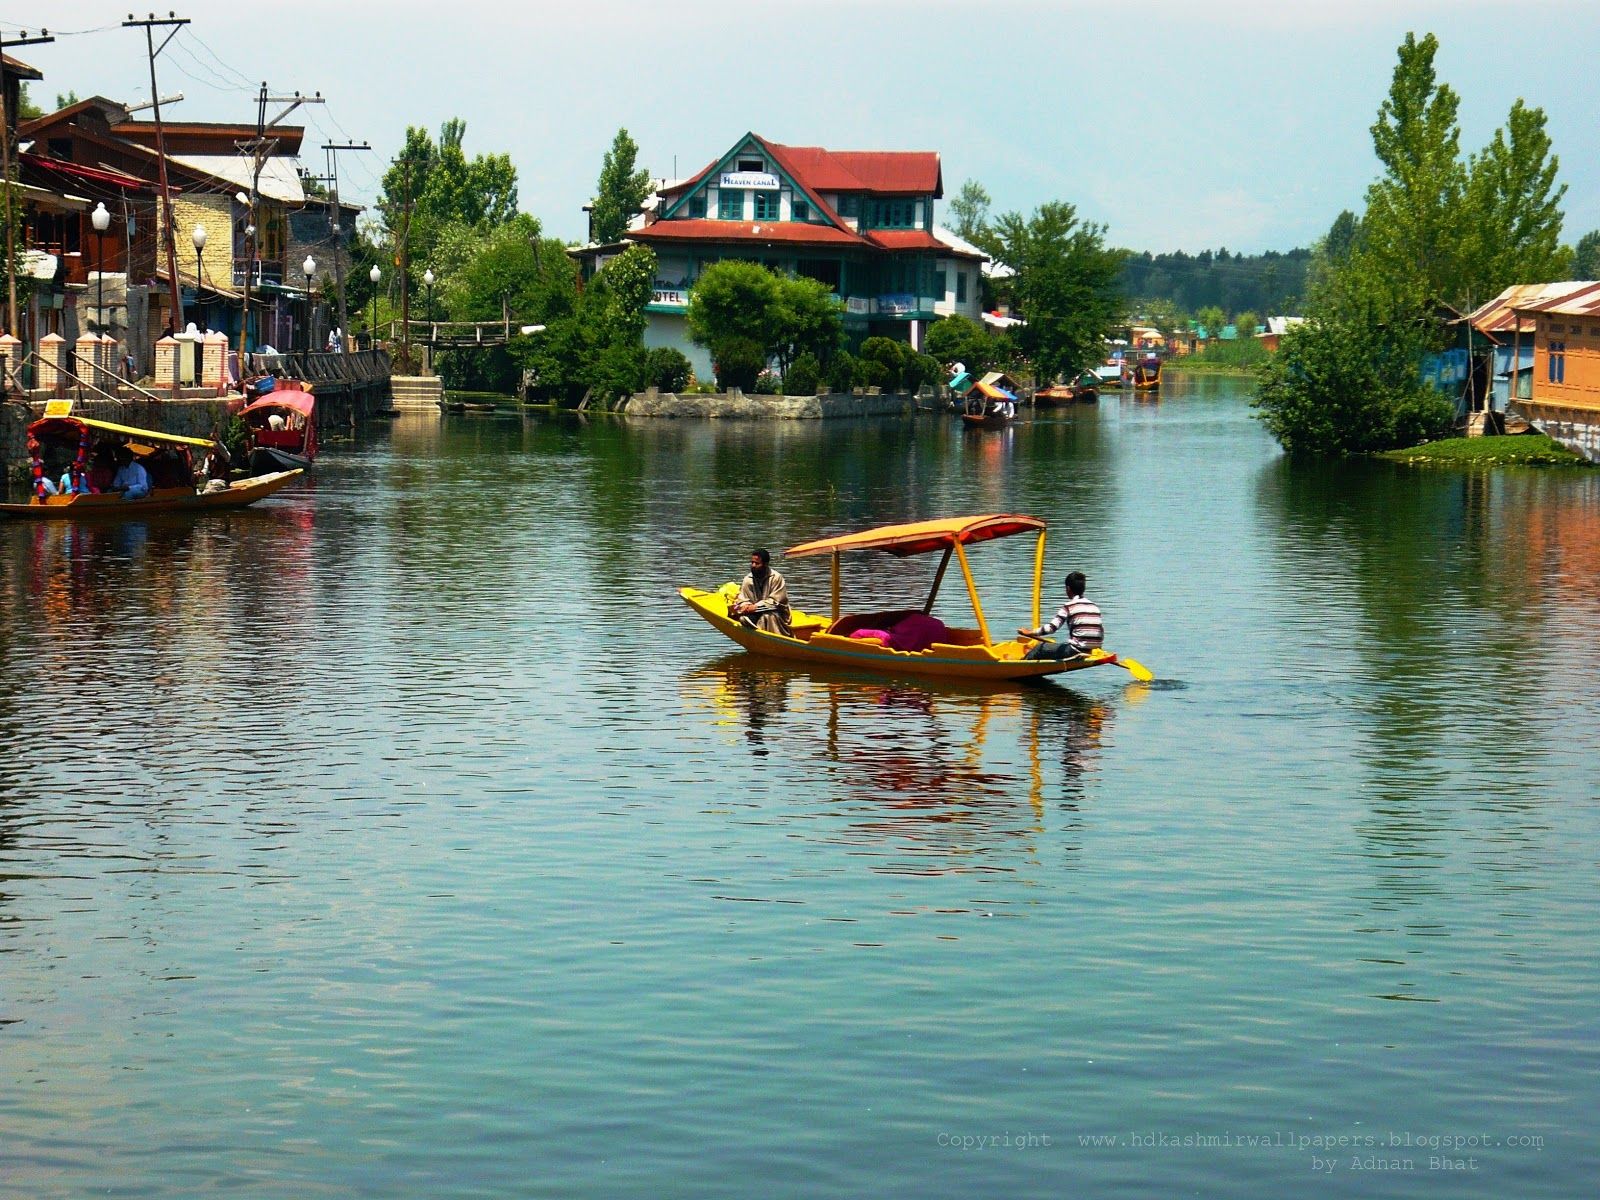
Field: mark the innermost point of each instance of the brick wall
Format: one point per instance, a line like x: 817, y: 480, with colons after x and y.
x: 216, y: 214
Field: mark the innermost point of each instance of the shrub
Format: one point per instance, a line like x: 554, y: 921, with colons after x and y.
x: 1350, y: 384
x: 889, y: 354
x: 803, y: 376
x: 739, y: 362
x: 842, y: 372
x: 870, y: 373
x: 767, y: 384
x: 667, y: 369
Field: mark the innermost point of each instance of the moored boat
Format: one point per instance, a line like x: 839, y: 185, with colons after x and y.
x: 1147, y: 374
x: 282, y: 430
x: 84, y: 445
x: 908, y: 641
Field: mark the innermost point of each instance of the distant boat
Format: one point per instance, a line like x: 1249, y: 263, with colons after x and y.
x: 288, y: 443
x: 1147, y: 375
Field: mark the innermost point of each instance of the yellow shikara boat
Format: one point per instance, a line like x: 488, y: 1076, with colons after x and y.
x: 933, y: 648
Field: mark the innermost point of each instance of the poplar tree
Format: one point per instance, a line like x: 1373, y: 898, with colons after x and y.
x: 1513, y: 209
x: 620, y: 191
x: 1413, y: 226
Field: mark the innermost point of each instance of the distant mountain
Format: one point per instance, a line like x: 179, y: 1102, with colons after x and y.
x: 1262, y: 283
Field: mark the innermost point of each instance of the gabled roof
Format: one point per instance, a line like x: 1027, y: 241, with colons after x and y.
x: 887, y: 172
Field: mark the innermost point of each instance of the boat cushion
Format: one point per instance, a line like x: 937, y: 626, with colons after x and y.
x: 916, y: 632
x: 881, y: 636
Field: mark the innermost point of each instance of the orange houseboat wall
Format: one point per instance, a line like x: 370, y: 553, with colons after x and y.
x: 1566, y: 381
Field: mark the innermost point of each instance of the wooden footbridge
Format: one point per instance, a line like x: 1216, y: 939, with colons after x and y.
x: 461, y: 335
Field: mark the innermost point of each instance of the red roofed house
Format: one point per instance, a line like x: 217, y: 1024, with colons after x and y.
x: 860, y: 221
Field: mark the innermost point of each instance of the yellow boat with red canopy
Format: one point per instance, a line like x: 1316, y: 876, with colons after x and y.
x: 166, y: 457
x: 906, y: 641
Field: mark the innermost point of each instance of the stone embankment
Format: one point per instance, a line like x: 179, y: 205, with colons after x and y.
x: 735, y: 405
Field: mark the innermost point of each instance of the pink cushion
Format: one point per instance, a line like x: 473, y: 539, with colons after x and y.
x: 916, y: 632
x: 881, y: 636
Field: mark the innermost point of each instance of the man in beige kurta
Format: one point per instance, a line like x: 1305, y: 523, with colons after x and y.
x: 763, y: 597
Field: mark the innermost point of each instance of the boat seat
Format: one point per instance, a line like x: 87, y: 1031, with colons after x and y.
x: 280, y: 439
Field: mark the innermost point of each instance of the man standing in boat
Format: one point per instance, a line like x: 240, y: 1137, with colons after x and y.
x: 1085, y: 628
x: 763, y: 597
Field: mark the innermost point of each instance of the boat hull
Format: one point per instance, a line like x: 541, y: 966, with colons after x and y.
x: 1000, y: 662
x: 267, y: 460
x: 984, y: 421
x: 114, y: 508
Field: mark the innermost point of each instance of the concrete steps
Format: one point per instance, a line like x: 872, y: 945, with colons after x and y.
x: 417, y: 391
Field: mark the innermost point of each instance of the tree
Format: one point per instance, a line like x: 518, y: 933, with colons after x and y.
x: 970, y: 211
x: 1246, y: 323
x: 958, y: 339
x: 1513, y: 209
x: 1586, y: 256
x: 746, y: 315
x: 620, y: 192
x: 1065, y: 285
x: 1212, y: 319
x: 1413, y: 225
x: 1342, y: 238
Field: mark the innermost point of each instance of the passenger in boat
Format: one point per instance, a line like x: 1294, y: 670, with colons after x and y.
x: 763, y: 601
x: 219, y: 463
x: 131, y: 478
x: 102, y: 468
x: 1085, y: 628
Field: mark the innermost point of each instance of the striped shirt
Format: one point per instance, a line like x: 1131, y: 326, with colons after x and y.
x: 1085, y: 629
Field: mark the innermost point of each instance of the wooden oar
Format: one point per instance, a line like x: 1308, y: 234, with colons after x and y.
x: 1132, y: 665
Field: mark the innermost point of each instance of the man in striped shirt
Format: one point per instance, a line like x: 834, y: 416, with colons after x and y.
x: 1085, y: 629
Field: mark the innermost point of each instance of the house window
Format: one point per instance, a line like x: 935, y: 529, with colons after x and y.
x: 752, y: 164
x: 961, y: 287
x: 697, y: 204
x: 939, y: 284
x: 766, y: 206
x: 1556, y: 364
x: 849, y: 206
x: 730, y: 204
x: 893, y: 214
x: 801, y: 210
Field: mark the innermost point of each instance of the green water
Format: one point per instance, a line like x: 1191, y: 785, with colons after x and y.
x: 408, y: 836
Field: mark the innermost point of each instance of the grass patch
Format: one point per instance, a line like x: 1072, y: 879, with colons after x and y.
x: 1193, y: 365
x: 1523, y: 449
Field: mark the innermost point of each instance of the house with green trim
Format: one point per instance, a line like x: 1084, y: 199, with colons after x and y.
x: 860, y: 221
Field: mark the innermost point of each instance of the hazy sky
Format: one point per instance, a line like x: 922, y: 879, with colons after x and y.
x: 1179, y: 125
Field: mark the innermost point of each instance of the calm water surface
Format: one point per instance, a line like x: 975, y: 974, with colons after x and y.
x: 408, y: 836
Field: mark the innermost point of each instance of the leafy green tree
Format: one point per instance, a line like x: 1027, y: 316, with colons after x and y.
x: 1212, y: 319
x: 891, y: 355
x: 668, y: 369
x: 1513, y: 209
x: 621, y: 190
x: 970, y: 211
x: 803, y: 376
x: 1342, y: 238
x: 1413, y: 222
x: 731, y: 299
x: 27, y: 109
x: 808, y: 318
x: 1586, y: 256
x: 1065, y: 286
x: 1349, y: 385
x: 1246, y: 323
x: 451, y: 197
x: 958, y: 339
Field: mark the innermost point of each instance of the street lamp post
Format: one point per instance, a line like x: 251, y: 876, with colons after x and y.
x: 101, y: 220
x: 427, y: 279
x: 375, y: 275
x: 310, y: 268
x: 199, y: 237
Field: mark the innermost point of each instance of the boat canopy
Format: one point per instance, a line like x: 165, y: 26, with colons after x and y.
x: 74, y: 427
x: 922, y: 537
x: 303, y: 403
x: 993, y: 392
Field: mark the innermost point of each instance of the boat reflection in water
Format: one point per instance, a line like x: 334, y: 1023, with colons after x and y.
x: 936, y: 778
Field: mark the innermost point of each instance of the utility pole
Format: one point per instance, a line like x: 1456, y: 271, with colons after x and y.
x: 335, y: 219
x: 21, y: 39
x: 258, y: 148
x: 149, y: 24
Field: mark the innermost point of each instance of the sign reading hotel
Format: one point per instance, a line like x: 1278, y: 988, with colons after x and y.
x: 677, y: 296
x: 759, y: 180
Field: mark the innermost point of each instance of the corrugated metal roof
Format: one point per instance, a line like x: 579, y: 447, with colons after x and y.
x: 894, y: 172
x: 704, y: 229
x: 1500, y: 314
x: 1582, y: 301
